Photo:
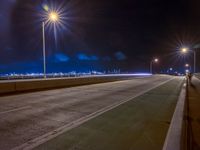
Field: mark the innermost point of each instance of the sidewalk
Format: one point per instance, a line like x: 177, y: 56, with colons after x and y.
x: 193, y: 109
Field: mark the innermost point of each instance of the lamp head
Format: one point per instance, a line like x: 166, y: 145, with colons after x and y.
x: 184, y: 50
x: 53, y: 16
x: 156, y: 60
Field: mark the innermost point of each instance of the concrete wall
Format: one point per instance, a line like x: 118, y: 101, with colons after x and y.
x: 7, y: 87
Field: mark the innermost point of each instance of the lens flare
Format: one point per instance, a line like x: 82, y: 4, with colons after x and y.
x: 45, y: 7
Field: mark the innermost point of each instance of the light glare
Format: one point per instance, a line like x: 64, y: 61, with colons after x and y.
x: 187, y: 65
x: 156, y: 60
x: 184, y: 50
x: 187, y: 71
x: 53, y: 16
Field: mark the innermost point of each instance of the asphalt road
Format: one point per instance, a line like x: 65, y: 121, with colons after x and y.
x: 28, y: 116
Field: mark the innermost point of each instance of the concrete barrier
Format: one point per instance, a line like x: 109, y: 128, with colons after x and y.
x: 17, y: 86
x: 7, y: 87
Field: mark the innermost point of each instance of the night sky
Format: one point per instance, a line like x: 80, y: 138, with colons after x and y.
x: 98, y: 35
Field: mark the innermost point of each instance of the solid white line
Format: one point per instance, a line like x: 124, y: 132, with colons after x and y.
x: 173, y: 138
x: 50, y: 135
x: 13, y: 110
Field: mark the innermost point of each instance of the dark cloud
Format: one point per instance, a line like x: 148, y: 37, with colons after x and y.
x: 60, y: 57
x: 120, y: 56
x: 86, y: 57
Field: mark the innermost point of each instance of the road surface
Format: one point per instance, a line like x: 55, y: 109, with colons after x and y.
x: 29, y: 116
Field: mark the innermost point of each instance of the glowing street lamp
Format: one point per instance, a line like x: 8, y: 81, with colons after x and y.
x: 187, y: 65
x: 52, y: 17
x: 151, y: 64
x: 186, y: 50
x: 187, y: 71
x: 156, y: 60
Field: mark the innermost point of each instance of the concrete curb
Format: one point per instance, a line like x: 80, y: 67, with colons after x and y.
x: 173, y: 140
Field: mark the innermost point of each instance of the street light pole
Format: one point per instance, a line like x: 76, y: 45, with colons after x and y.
x: 194, y: 61
x: 44, y: 49
x: 151, y: 64
x: 52, y: 17
x: 185, y: 50
x: 151, y: 67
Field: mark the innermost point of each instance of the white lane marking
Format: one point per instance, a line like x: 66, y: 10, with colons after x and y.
x: 13, y: 110
x: 50, y: 135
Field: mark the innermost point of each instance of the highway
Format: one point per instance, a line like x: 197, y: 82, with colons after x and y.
x: 29, y: 116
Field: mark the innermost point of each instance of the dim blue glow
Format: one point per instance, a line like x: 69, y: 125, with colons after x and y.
x: 60, y: 57
x: 107, y: 58
x: 93, y: 57
x: 82, y: 56
x: 120, y: 56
